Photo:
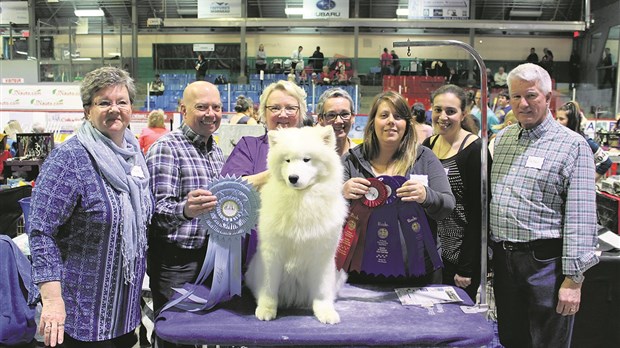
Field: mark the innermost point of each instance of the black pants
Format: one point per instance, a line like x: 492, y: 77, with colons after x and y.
x: 170, y: 267
x: 125, y: 341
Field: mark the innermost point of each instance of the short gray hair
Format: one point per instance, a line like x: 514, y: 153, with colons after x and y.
x: 531, y: 73
x: 104, y: 77
x: 291, y: 89
x: 335, y: 92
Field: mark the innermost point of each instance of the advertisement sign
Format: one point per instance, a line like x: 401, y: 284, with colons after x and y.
x: 438, y: 9
x: 204, y: 47
x: 326, y: 9
x: 15, y: 12
x: 219, y: 9
x: 37, y: 97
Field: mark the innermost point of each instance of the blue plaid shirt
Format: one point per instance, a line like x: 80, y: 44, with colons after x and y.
x: 542, y: 185
x: 179, y: 162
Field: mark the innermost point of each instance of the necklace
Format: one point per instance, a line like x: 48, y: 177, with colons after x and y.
x: 439, y: 153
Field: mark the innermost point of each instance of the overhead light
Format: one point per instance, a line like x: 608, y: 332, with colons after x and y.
x: 89, y: 13
x: 525, y: 13
x: 402, y: 12
x: 187, y: 11
x: 294, y: 11
x: 81, y: 59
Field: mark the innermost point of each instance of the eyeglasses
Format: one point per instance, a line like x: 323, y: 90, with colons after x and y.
x: 288, y: 110
x: 331, y: 116
x: 205, y: 107
x: 448, y: 111
x: 106, y: 105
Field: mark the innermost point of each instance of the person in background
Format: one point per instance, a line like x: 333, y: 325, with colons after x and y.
x: 386, y: 62
x: 261, y: 59
x: 532, y: 57
x: 335, y: 108
x: 38, y: 127
x: 297, y: 58
x: 245, y: 111
x: 476, y: 112
x: 395, y: 63
x: 390, y: 148
x: 282, y: 105
x: 88, y: 218
x: 569, y: 115
x: 503, y: 105
x: 453, y: 78
x: 458, y: 150
x: 157, y: 86
x: 182, y: 163
x: 201, y: 68
x: 547, y: 61
x: 154, y: 130
x: 5, y: 154
x: 500, y: 77
x: 11, y: 129
x: 317, y: 59
x: 326, y: 77
x: 542, y: 218
x: 422, y: 129
x: 608, y: 67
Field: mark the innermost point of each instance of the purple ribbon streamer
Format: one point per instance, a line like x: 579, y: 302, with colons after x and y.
x: 382, y: 250
x: 418, y: 237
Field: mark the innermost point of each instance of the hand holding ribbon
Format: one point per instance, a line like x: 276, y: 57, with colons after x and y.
x: 235, y: 214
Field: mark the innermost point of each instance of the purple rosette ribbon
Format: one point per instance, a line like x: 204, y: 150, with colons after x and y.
x: 233, y: 218
x: 417, y: 234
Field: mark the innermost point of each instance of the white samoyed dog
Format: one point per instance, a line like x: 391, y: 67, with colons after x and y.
x: 300, y: 223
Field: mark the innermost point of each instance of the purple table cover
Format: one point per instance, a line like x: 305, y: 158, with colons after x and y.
x: 369, y: 316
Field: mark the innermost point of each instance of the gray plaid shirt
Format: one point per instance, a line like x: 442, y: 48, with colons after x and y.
x: 542, y: 186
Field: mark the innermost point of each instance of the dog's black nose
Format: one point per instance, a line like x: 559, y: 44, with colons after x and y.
x: 293, y: 179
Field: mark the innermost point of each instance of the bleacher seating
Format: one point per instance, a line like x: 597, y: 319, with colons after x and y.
x: 176, y: 83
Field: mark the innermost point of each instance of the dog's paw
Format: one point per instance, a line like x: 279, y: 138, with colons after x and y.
x: 266, y: 313
x: 327, y: 316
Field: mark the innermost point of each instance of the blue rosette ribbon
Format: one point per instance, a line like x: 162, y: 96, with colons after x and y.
x: 232, y: 219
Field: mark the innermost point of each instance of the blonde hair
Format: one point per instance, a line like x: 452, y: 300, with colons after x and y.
x: 156, y: 119
x: 509, y: 119
x: 289, y: 88
x: 405, y: 155
x: 13, y: 127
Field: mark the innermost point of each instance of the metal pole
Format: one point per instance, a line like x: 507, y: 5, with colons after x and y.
x: 120, y: 50
x: 483, y: 152
x: 102, y: 57
x: 617, y: 89
x: 242, y: 52
x: 32, y: 39
x: 134, y: 39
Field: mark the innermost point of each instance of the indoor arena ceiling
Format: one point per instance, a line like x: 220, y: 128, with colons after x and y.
x: 60, y: 13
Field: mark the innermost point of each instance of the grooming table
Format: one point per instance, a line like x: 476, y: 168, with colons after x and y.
x: 370, y: 316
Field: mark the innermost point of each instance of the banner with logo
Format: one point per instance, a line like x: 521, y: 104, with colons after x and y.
x: 219, y: 8
x: 40, y: 97
x: 326, y: 9
x: 438, y: 9
x: 15, y: 12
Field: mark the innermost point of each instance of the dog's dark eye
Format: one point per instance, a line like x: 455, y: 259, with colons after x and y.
x: 306, y: 159
x: 287, y: 160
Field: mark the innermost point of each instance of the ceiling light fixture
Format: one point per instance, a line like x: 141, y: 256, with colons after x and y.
x: 525, y: 13
x: 89, y: 13
x: 402, y: 12
x: 294, y: 11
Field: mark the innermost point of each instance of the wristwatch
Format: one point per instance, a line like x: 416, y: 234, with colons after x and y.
x: 577, y: 278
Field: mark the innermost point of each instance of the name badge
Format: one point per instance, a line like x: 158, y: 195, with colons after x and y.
x: 423, y: 179
x: 534, y: 162
x: 137, y: 172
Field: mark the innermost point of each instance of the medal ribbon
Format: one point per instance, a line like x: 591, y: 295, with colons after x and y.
x: 227, y: 224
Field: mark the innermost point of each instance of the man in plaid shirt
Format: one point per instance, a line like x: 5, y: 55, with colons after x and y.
x: 542, y: 218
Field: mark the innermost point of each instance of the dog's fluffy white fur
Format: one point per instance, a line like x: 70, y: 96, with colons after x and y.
x: 300, y: 223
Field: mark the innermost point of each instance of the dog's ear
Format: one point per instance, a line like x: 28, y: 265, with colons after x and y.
x: 272, y: 135
x: 327, y: 135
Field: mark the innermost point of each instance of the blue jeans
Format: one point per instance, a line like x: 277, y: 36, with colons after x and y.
x: 526, y: 285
